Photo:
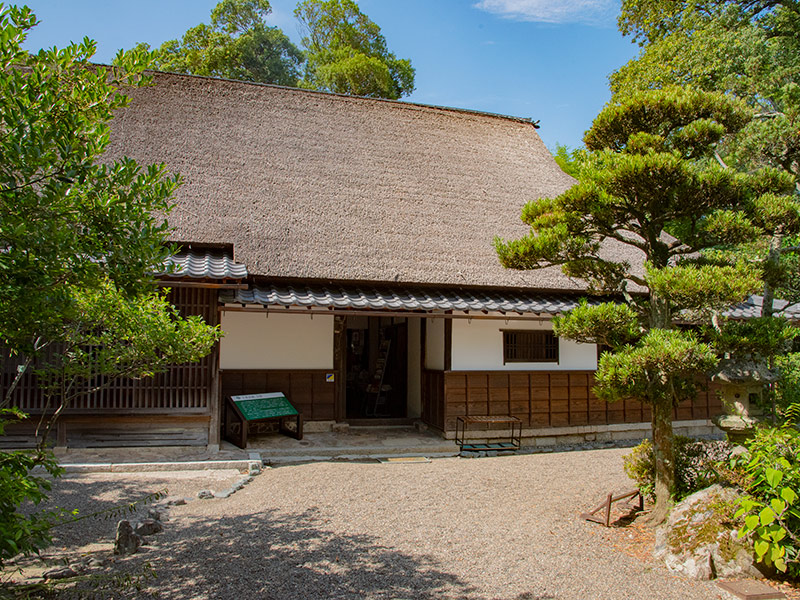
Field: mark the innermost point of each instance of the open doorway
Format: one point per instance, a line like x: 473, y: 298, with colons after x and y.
x: 376, y: 365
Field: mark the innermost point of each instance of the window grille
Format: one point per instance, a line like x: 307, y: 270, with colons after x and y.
x: 529, y: 346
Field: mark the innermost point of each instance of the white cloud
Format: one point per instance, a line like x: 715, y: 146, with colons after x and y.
x: 552, y: 11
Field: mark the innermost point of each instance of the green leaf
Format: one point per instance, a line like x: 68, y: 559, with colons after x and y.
x: 776, y: 552
x: 777, y: 505
x: 778, y: 534
x: 773, y: 476
x: 748, y: 504
x: 789, y: 495
x: 766, y: 516
x: 761, y: 547
x: 752, y: 522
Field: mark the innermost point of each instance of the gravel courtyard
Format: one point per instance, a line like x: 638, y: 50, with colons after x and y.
x: 490, y: 528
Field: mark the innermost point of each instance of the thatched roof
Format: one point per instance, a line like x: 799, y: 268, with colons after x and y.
x: 329, y: 187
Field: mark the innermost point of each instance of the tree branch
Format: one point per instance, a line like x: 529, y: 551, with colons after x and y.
x: 612, y: 233
x: 637, y: 280
x: 719, y: 159
x: 772, y: 114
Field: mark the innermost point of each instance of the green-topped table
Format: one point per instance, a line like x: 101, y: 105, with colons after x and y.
x: 240, y: 411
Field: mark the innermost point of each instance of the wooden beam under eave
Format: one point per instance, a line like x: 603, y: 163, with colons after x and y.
x: 202, y: 284
x: 276, y: 310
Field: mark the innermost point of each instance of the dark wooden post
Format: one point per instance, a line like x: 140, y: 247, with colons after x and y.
x: 340, y: 367
x: 448, y: 343
x: 213, y: 317
x: 214, y: 405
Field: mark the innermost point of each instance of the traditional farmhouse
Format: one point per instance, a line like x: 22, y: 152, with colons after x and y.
x: 345, y: 247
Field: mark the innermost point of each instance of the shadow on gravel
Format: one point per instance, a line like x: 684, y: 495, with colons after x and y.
x: 92, y: 497
x: 276, y: 556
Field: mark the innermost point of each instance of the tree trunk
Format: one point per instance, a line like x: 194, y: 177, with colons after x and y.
x: 772, y: 264
x: 660, y: 399
x: 665, y: 460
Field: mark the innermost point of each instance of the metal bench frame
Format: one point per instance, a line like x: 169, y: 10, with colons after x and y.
x: 463, y: 423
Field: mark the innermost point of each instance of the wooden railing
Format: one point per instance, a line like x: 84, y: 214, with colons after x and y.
x: 183, y: 388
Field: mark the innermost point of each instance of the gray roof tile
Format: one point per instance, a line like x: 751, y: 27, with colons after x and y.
x: 205, y: 264
x: 375, y: 298
x: 751, y: 308
x: 366, y: 297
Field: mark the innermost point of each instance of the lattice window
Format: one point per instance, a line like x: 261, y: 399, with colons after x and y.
x: 529, y: 346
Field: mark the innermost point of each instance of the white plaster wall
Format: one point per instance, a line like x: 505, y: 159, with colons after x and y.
x: 434, y: 344
x: 255, y: 341
x: 414, y: 406
x: 478, y: 345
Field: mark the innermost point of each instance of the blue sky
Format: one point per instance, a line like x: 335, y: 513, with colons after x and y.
x: 544, y: 59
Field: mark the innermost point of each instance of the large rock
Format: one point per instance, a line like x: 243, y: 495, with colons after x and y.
x: 126, y: 541
x: 699, y: 540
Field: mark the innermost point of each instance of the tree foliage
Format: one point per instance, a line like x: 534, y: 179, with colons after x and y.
x: 68, y: 220
x: 347, y: 53
x: 571, y: 161
x: 652, y: 187
x: 80, y: 237
x: 748, y: 48
x: 72, y: 223
x: 238, y: 44
x: 108, y: 335
x: 765, y: 337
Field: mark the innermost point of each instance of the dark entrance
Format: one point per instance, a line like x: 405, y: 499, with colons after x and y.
x: 376, y: 364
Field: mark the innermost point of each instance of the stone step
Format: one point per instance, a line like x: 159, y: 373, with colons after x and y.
x: 328, y: 452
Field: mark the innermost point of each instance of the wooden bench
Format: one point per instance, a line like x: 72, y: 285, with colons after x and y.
x: 514, y: 443
x: 240, y: 411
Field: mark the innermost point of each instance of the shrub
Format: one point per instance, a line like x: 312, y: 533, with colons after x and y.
x: 695, y: 465
x: 788, y: 388
x: 21, y: 529
x: 770, y: 476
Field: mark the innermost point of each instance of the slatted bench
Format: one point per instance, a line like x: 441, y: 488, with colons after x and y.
x: 514, y: 443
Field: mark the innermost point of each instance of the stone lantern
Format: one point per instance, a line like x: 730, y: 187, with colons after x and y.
x: 742, y: 380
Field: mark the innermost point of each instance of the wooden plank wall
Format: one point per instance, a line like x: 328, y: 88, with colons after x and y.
x: 181, y: 389
x: 306, y: 389
x: 549, y: 399
x: 96, y: 431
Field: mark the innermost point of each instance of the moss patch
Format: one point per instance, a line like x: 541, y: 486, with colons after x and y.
x: 707, y: 522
